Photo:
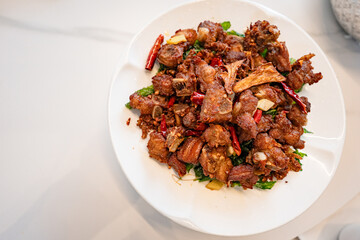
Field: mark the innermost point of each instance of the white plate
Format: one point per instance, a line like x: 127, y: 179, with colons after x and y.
x: 230, y: 211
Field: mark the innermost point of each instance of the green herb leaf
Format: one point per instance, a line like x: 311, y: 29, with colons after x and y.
x: 299, y: 162
x: 226, y: 25
x: 235, y: 183
x: 292, y: 61
x: 301, y: 154
x: 245, y: 149
x: 186, y: 54
x: 236, y: 160
x: 199, y: 173
x: 306, y: 131
x: 263, y: 53
x: 299, y: 90
x: 265, y: 185
x: 197, y: 46
x: 285, y: 74
x: 128, y: 105
x: 272, y: 112
x: 146, y: 91
x: 189, y: 166
x: 233, y: 32
x: 204, y: 179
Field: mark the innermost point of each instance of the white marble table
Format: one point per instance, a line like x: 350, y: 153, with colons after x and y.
x: 59, y: 178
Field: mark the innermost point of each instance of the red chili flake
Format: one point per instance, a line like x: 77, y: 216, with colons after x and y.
x: 171, y: 101
x: 197, y: 98
x: 257, y: 115
x: 153, y: 52
x: 235, y: 141
x: 128, y: 121
x: 216, y: 61
x: 163, y: 127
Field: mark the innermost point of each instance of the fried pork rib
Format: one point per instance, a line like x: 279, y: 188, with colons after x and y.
x: 171, y: 55
x: 163, y: 84
x: 215, y: 163
x: 260, y: 34
x: 190, y: 151
x: 247, y: 103
x: 244, y: 174
x: 157, y: 147
x: 217, y: 107
x: 177, y: 165
x: 217, y: 135
x: 279, y: 56
x: 302, y: 73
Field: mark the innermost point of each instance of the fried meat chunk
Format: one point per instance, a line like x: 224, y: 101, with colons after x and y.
x: 278, y: 54
x: 189, y: 152
x: 157, y: 147
x: 302, y: 73
x: 210, y: 32
x: 177, y: 165
x: 217, y: 107
x: 171, y: 55
x: 215, y: 163
x: 243, y: 173
x: 163, y: 84
x: 217, y: 135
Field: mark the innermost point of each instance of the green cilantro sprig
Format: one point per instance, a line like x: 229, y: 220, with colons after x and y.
x: 142, y: 92
x: 226, y: 26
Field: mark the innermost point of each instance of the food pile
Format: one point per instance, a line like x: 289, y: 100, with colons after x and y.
x: 226, y: 105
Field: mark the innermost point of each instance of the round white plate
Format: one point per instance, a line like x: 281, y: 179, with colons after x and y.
x: 230, y: 211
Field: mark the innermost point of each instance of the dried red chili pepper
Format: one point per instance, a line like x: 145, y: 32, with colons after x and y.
x: 235, y: 141
x: 171, y: 101
x: 192, y: 133
x: 153, y: 52
x: 216, y: 61
x: 163, y: 127
x: 294, y: 96
x: 197, y: 98
x: 257, y: 115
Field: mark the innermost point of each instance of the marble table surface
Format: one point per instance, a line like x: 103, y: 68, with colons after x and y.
x: 59, y: 177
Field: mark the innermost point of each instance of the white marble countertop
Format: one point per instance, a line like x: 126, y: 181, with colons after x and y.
x: 59, y: 177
